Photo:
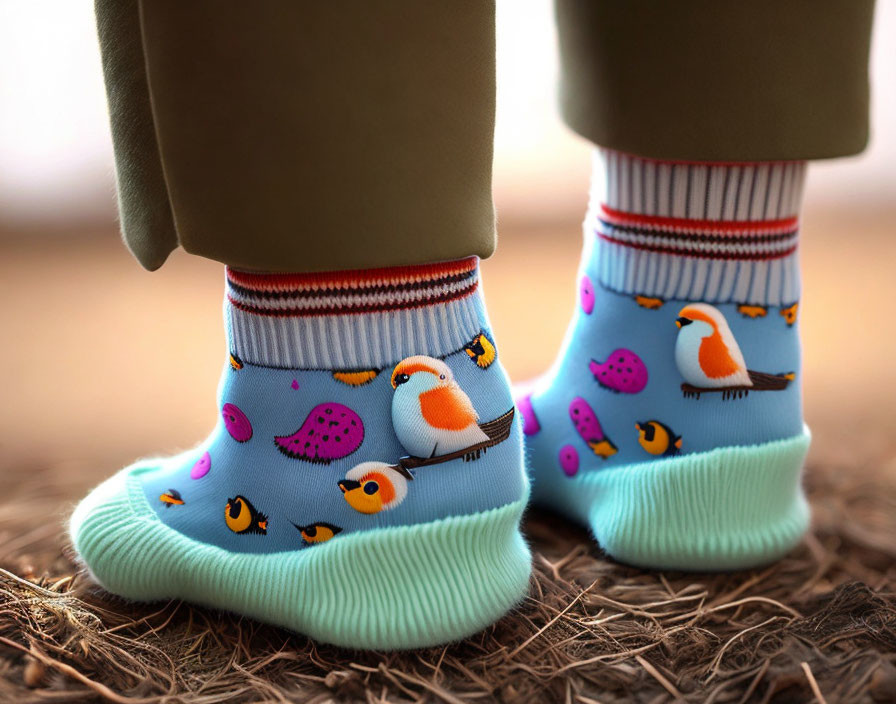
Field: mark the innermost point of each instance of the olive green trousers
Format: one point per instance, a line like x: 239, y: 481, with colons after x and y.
x: 291, y: 135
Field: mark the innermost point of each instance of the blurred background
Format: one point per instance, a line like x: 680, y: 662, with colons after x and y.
x: 104, y: 362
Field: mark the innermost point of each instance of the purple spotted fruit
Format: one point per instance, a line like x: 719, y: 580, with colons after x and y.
x: 530, y: 420
x: 623, y: 372
x: 202, y: 466
x: 236, y: 422
x: 588, y: 426
x: 330, y: 432
x: 586, y: 294
x: 569, y: 460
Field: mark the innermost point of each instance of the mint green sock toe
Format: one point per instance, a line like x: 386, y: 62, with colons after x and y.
x: 730, y: 508
x: 396, y: 588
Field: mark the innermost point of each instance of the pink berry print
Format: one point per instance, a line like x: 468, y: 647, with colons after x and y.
x: 623, y: 372
x: 295, y: 384
x: 569, y: 460
x: 202, y: 466
x: 585, y: 420
x: 330, y: 432
x: 530, y: 421
x: 586, y: 294
x: 588, y: 426
x: 237, y: 424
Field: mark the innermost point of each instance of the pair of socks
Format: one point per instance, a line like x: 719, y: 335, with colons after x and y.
x: 367, y: 475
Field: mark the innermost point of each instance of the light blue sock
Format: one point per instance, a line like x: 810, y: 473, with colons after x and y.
x: 671, y: 423
x: 364, y: 483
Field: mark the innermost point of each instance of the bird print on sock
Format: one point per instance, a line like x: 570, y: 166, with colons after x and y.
x: 658, y: 438
x: 481, y: 350
x: 242, y: 517
x: 431, y: 414
x: 706, y: 352
x: 708, y: 357
x: 319, y: 532
x: 171, y: 498
x: 371, y: 487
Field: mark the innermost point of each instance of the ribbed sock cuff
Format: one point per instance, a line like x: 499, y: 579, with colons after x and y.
x: 699, y: 231
x: 366, y: 319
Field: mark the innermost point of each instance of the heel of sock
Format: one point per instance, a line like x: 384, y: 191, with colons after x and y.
x: 730, y: 508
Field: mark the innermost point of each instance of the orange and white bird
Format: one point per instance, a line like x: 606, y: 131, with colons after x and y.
x: 430, y: 413
x: 706, y: 352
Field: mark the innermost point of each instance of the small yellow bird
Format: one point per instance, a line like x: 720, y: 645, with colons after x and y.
x: 481, y: 350
x: 649, y: 302
x: 749, y: 311
x: 658, y: 438
x: 235, y: 362
x: 371, y: 487
x: 789, y: 313
x: 603, y: 448
x: 242, y: 516
x: 318, y: 532
x: 171, y: 498
x: 358, y: 378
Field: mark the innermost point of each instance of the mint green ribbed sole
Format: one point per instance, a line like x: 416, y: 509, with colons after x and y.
x: 393, y: 588
x: 730, y: 508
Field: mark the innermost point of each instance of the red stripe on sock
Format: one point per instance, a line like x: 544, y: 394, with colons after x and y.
x: 349, y: 279
x: 733, y: 227
x: 352, y: 309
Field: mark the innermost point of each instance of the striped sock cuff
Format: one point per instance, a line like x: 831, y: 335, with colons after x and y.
x: 698, y: 231
x: 366, y: 319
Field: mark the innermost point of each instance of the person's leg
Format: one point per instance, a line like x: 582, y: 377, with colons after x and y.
x: 672, y: 422
x: 364, y: 483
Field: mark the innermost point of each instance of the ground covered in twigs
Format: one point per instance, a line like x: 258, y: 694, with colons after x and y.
x: 819, y: 625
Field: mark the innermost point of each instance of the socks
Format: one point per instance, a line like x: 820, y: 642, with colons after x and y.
x: 671, y: 424
x: 364, y: 483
